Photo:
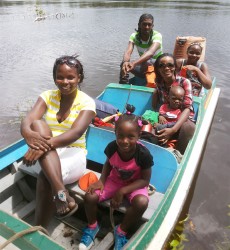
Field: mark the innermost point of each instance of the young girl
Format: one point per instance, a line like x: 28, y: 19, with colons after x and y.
x: 58, y: 141
x: 126, y: 173
x: 196, y: 72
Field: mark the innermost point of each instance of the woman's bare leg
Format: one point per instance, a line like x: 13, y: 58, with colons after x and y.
x: 51, y: 178
x: 44, y: 202
x: 185, y: 134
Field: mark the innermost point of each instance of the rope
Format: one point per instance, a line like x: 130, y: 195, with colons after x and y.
x: 22, y: 233
x: 151, y: 189
x: 111, y: 217
x: 127, y: 98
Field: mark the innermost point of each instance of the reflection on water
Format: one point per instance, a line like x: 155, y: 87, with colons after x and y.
x: 99, y: 31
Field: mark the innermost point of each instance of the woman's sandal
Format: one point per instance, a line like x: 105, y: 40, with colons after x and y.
x: 61, y: 197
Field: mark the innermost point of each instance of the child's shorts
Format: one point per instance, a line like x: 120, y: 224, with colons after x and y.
x: 111, y: 187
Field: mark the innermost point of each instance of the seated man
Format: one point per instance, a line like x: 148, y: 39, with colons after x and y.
x: 149, y: 46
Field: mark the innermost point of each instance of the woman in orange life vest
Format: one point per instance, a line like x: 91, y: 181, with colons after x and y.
x: 197, y: 72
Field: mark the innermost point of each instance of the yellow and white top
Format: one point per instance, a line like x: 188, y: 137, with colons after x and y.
x: 82, y: 102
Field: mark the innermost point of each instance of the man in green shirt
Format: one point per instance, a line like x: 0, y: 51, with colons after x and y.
x: 149, y: 46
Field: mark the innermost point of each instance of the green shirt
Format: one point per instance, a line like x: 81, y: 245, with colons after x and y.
x: 143, y: 46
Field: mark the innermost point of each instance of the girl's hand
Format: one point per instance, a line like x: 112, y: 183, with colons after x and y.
x: 37, y: 142
x: 95, y: 186
x: 191, y: 67
x: 164, y: 135
x: 117, y: 199
x: 31, y: 156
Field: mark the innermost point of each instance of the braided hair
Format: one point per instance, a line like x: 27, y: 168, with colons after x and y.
x: 141, y: 19
x: 129, y: 117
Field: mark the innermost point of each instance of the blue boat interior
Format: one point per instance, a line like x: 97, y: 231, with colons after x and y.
x: 120, y: 94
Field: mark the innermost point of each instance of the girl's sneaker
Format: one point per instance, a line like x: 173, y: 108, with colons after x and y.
x: 120, y: 239
x: 88, y: 237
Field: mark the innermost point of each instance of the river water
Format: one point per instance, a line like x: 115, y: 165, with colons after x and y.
x: 99, y: 31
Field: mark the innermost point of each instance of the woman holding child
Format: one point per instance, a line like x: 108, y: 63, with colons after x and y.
x: 183, y: 130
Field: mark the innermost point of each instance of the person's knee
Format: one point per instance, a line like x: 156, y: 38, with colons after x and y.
x: 188, y: 129
x: 90, y: 198
x: 140, y: 203
x: 185, y: 134
x: 41, y: 127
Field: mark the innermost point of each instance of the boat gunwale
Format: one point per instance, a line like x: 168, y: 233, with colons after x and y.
x: 36, y: 239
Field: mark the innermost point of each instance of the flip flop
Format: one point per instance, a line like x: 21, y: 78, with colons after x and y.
x: 68, y: 214
x: 61, y: 196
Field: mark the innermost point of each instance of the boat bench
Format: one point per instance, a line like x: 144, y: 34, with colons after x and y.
x: 154, y: 199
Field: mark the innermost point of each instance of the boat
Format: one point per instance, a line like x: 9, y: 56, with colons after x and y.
x: 13, y: 228
x: 171, y: 179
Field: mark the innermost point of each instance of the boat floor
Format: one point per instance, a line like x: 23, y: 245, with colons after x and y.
x: 68, y: 232
x: 19, y: 201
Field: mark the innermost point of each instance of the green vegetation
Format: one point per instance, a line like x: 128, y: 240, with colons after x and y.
x: 178, y: 238
x: 39, y: 11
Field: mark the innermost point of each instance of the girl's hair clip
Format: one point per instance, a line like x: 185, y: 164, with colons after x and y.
x: 128, y: 112
x: 140, y: 124
x: 116, y: 117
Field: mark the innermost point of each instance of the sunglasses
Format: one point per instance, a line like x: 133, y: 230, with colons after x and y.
x: 169, y: 65
x: 72, y: 62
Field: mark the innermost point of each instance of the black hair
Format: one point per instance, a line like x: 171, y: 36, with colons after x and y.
x: 71, y: 61
x: 157, y: 65
x: 130, y: 117
x: 141, y: 19
x: 195, y: 43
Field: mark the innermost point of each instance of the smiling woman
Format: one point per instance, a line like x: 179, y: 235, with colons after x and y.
x: 58, y: 143
x: 165, y: 68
